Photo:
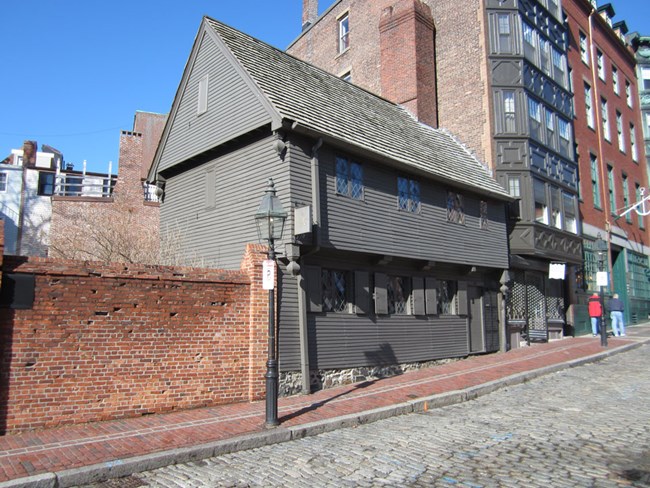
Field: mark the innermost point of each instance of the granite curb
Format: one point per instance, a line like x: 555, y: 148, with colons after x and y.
x: 128, y: 466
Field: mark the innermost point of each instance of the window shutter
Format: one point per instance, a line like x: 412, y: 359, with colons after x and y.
x: 314, y: 288
x: 381, y: 294
x: 462, y: 298
x: 431, y: 295
x: 362, y: 297
x: 418, y: 296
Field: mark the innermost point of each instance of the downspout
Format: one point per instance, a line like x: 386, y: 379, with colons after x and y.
x: 302, y: 291
x: 601, y: 155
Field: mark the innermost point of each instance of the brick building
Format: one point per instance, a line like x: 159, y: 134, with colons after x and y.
x: 493, y: 73
x: 641, y: 46
x: 611, y: 156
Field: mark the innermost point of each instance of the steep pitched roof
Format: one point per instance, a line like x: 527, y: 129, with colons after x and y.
x: 319, y: 101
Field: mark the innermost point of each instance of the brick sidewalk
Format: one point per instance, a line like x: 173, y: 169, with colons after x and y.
x: 104, y: 449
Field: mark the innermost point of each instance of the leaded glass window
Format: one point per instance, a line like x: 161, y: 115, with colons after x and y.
x: 349, y: 178
x: 335, y: 286
x: 455, y: 208
x: 484, y: 215
x: 398, y: 295
x: 446, y: 297
x: 408, y: 194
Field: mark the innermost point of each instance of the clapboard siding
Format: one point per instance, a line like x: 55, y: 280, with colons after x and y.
x: 376, y: 225
x: 288, y: 330
x: 347, y: 340
x: 233, y: 108
x: 217, y: 236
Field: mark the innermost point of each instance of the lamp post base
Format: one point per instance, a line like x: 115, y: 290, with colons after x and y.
x: 271, y: 394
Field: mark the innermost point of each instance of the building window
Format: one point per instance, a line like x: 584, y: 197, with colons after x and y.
x: 584, y: 49
x: 505, y: 33
x: 541, y: 204
x: 349, y: 178
x: 202, y: 105
x: 611, y: 189
x: 639, y: 196
x: 514, y: 189
x: 509, y: 111
x: 484, y: 215
x: 408, y: 195
x: 545, y: 56
x: 530, y: 43
x: 556, y: 209
x: 335, y: 290
x: 344, y: 33
x: 559, y: 64
x: 601, y: 64
x: 604, y: 115
x: 570, y: 221
x: 589, y: 106
x: 615, y: 84
x: 628, y: 93
x: 595, y: 181
x: 645, y: 78
x: 550, y: 128
x: 535, y: 118
x: 633, y: 148
x: 626, y: 199
x: 347, y: 76
x: 565, y: 136
x: 447, y: 297
x: 3, y: 182
x: 398, y: 293
x: 619, y: 130
x: 45, y: 183
x: 455, y: 208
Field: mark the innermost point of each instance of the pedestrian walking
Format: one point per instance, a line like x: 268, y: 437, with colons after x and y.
x: 595, y: 312
x: 615, y: 306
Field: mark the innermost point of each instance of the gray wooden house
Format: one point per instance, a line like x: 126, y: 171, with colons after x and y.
x: 396, y: 238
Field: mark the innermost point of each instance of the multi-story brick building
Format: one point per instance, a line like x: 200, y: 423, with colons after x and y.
x: 495, y: 74
x: 641, y: 46
x: 610, y: 151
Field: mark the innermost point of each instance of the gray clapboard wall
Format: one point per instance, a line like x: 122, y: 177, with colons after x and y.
x: 233, y: 108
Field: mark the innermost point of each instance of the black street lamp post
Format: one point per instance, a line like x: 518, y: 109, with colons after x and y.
x: 601, y: 249
x: 270, y: 218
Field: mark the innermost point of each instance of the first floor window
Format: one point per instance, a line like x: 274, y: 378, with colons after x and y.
x: 595, y: 181
x: 3, y: 182
x: 335, y: 289
x: 611, y: 189
x: 397, y: 290
x: 455, y: 208
x: 408, y: 194
x: 447, y: 290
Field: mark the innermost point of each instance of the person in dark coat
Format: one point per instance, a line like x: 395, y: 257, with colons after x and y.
x: 615, y: 306
x: 595, y: 312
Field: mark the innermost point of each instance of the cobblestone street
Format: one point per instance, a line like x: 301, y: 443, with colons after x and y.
x: 586, y: 426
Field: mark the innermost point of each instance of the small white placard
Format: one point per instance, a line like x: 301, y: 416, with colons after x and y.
x: 268, y: 274
x: 602, y: 278
x: 302, y: 220
x: 556, y: 271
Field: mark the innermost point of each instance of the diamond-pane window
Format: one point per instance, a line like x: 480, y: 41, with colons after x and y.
x: 349, y: 178
x: 446, y: 295
x: 334, y: 290
x: 342, y: 176
x: 455, y: 208
x: 356, y: 181
x: 408, y: 195
x: 398, y: 295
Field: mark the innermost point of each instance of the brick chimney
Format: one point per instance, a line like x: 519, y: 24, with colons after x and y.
x: 408, y: 70
x: 309, y: 12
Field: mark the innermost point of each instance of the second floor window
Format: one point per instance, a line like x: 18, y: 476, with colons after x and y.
x: 626, y: 198
x: 589, y: 106
x: 605, y: 117
x: 349, y: 178
x: 3, y: 182
x: 541, y: 202
x: 611, y: 189
x: 619, y: 130
x: 408, y: 194
x: 535, y: 118
x: 455, y: 208
x: 505, y: 34
x: 45, y: 183
x: 595, y: 179
x: 344, y: 33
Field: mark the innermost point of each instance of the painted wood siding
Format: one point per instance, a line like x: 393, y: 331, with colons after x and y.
x: 348, y: 340
x: 215, y: 224
x: 233, y: 108
x: 375, y: 224
x: 288, y: 329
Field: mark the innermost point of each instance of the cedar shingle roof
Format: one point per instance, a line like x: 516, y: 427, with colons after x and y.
x: 333, y: 107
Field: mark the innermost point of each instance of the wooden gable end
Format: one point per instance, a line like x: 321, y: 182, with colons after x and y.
x: 216, y: 101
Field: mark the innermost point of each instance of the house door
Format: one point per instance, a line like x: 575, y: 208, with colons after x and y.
x: 620, y: 278
x: 476, y: 333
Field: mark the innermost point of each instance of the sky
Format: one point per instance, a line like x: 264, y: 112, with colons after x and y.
x: 76, y: 71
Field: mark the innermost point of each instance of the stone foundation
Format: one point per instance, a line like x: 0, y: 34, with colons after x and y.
x: 291, y: 381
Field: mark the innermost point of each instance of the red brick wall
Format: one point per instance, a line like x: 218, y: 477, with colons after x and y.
x: 591, y: 140
x: 106, y: 341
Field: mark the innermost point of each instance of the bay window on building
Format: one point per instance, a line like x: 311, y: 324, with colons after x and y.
x: 541, y: 202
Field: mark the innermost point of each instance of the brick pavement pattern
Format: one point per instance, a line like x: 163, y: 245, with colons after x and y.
x: 86, y: 453
x: 583, y: 427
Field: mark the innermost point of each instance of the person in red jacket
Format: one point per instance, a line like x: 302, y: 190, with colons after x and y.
x: 595, y: 312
